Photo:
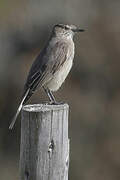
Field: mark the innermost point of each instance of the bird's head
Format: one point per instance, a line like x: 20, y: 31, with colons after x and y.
x: 66, y: 30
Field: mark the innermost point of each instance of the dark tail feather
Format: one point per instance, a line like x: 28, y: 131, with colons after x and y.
x: 19, y: 109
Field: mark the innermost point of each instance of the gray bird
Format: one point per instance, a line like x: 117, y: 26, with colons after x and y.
x: 51, y: 67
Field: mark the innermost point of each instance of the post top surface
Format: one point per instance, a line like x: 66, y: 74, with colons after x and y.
x: 44, y: 107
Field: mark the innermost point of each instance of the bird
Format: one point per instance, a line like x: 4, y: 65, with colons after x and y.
x: 52, y: 65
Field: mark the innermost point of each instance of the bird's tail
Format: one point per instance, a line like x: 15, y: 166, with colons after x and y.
x: 19, y: 109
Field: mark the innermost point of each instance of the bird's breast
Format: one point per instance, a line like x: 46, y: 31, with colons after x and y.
x: 60, y: 75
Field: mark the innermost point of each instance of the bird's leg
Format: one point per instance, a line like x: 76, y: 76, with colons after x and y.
x: 53, y: 99
x: 51, y: 96
x: 46, y: 91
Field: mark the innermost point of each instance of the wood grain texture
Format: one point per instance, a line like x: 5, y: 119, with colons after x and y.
x: 44, y: 151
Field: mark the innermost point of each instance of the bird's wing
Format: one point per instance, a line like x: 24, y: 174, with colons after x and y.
x: 45, y: 66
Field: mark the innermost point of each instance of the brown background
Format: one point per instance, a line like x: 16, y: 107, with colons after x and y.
x: 92, y: 89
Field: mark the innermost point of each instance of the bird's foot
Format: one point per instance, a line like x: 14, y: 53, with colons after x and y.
x: 55, y: 103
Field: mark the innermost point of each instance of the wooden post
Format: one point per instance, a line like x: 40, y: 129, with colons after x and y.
x: 44, y: 151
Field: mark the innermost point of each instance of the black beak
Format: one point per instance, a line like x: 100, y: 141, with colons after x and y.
x: 78, y: 30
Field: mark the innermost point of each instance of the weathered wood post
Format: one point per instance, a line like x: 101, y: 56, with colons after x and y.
x: 44, y: 151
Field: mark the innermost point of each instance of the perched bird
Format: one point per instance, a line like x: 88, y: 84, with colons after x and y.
x: 51, y: 67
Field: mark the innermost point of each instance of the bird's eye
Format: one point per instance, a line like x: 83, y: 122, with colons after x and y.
x: 66, y: 28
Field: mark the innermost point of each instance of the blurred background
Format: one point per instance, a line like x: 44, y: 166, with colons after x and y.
x: 92, y: 89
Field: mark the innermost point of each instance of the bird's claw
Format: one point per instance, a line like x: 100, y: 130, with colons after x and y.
x: 55, y: 103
